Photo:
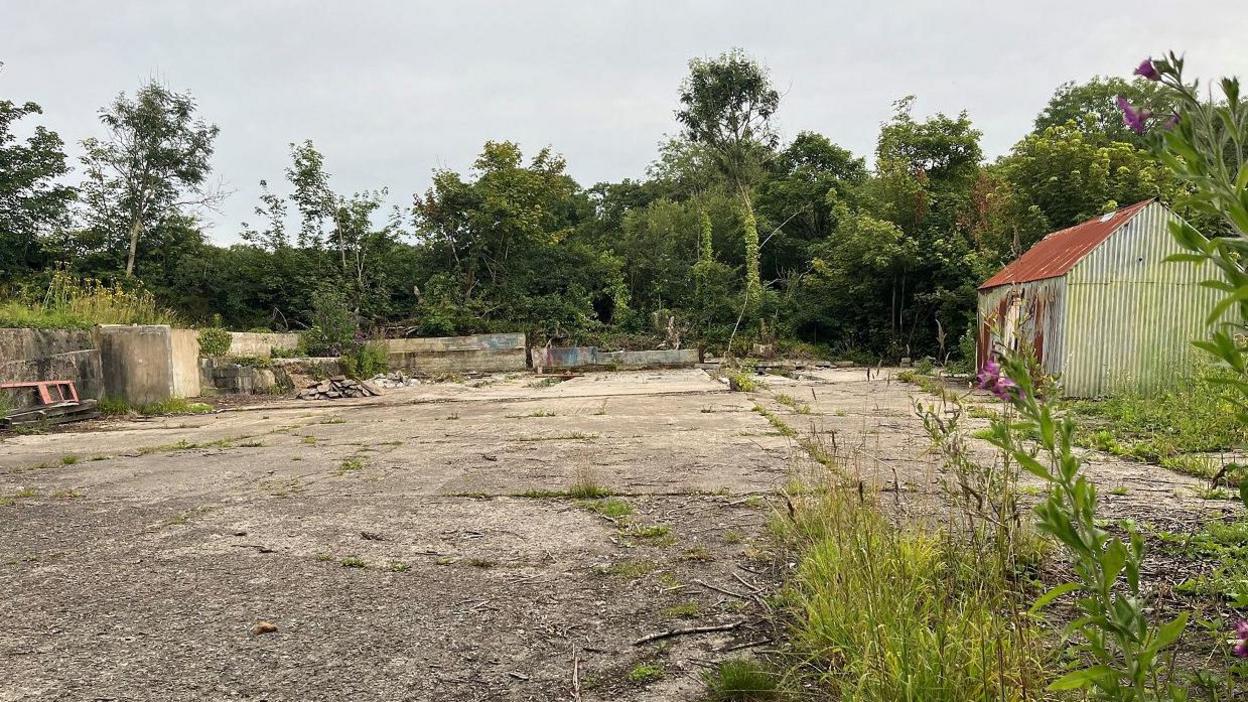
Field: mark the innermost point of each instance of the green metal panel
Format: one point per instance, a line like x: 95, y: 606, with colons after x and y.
x: 1130, y: 315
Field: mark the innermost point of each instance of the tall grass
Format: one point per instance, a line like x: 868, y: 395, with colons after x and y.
x: 888, y: 613
x: 80, y: 303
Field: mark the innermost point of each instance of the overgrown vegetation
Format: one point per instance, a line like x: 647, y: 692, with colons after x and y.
x: 70, y: 302
x: 887, y: 613
x: 734, y: 236
x: 1195, y: 417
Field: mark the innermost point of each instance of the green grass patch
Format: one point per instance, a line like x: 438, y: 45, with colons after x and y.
x: 613, y: 507
x: 684, y: 610
x: 742, y: 680
x: 645, y: 672
x: 353, y: 562
x: 628, y: 569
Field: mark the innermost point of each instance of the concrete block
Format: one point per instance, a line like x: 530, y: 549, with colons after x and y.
x: 137, y: 361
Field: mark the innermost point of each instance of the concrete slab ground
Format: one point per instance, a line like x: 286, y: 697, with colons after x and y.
x: 391, y: 543
x: 415, y: 546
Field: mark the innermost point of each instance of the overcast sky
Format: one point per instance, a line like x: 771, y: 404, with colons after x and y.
x: 391, y: 90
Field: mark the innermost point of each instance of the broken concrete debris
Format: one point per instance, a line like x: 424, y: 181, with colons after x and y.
x: 395, y: 379
x: 338, y: 386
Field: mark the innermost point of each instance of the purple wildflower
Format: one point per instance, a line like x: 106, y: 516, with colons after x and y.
x: 1132, y: 116
x: 988, y: 374
x: 1241, y: 634
x: 991, y: 379
x: 1172, y: 122
x: 1147, y: 70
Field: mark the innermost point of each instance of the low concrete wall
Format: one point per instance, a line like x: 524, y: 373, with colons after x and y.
x: 50, y: 354
x: 664, y: 358
x: 82, y: 367
x: 20, y: 344
x: 260, y: 344
x: 573, y: 357
x: 486, y: 353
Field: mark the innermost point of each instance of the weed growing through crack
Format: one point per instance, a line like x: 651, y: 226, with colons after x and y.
x: 351, y: 464
x: 733, y: 537
x: 776, y: 421
x: 69, y: 459
x: 310, y: 440
x: 793, y: 403
x: 585, y: 486
x: 398, y: 567
x: 571, y: 436
x: 353, y: 562
x: 332, y: 420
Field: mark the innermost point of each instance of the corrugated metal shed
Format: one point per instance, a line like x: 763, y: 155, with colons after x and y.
x: 1058, y: 252
x: 1102, y: 307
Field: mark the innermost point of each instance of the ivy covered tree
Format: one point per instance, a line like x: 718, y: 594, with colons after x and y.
x: 726, y: 105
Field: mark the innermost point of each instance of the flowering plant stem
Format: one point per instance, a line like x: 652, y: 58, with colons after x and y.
x: 1127, y: 654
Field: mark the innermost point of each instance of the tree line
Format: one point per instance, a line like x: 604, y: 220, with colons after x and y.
x: 732, y: 236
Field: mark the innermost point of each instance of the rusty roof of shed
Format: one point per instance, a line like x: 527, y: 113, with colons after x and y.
x: 1059, y: 251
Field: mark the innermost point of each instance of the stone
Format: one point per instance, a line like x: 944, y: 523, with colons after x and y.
x: 263, y: 627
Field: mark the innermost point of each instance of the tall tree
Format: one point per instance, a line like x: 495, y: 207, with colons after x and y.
x: 727, y: 104
x: 32, y: 202
x: 152, y: 166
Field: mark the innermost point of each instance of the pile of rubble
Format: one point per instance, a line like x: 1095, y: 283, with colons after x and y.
x: 338, y: 386
x: 395, y: 379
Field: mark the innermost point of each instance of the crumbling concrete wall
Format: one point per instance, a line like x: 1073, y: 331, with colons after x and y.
x: 485, y: 353
x: 261, y: 344
x: 50, y: 354
x: 584, y: 357
x: 222, y: 375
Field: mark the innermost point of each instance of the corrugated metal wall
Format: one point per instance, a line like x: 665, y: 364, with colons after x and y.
x: 1130, y: 315
x: 1040, y: 311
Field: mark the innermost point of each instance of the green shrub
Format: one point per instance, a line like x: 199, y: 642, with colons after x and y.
x: 366, y: 360
x: 333, y: 325
x: 214, y: 342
